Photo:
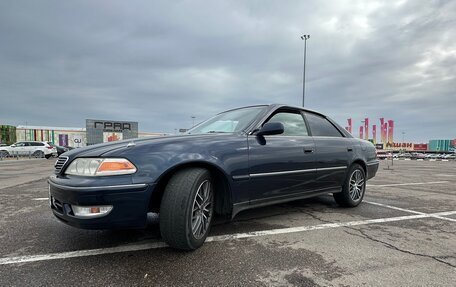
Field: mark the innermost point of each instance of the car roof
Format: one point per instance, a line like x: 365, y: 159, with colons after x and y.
x: 276, y: 106
x: 244, y: 107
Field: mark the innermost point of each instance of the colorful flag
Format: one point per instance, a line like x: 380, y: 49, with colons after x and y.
x: 374, y: 134
x: 390, y: 131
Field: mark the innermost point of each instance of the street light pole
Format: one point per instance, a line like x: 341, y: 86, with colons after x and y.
x: 305, y: 38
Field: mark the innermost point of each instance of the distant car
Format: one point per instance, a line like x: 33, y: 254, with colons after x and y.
x: 382, y: 156
x: 29, y: 148
x: 417, y: 155
x: 449, y: 156
x: 239, y: 159
x: 420, y: 156
x: 60, y: 149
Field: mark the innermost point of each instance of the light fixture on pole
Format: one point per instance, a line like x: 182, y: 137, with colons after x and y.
x: 304, y: 38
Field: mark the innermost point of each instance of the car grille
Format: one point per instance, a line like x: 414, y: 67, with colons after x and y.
x: 60, y: 163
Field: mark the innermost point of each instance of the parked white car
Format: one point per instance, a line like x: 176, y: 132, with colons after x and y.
x: 29, y: 148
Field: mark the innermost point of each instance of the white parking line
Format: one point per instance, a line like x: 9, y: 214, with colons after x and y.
x: 155, y: 245
x: 410, y: 183
x: 439, y: 216
x: 392, y: 207
x: 40, y: 198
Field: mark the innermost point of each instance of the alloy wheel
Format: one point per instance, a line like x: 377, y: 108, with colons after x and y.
x: 38, y: 154
x: 356, y: 185
x: 202, y: 209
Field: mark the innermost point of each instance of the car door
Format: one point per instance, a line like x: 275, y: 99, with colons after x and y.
x: 35, y: 147
x: 19, y: 148
x: 332, y: 151
x: 281, y: 166
x: 30, y: 147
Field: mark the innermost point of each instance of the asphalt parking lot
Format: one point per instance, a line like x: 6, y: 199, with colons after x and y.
x: 404, y: 234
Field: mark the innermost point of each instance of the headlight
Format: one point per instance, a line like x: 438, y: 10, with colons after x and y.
x: 100, y: 166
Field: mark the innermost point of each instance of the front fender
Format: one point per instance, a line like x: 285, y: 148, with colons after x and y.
x: 228, y: 154
x: 153, y: 167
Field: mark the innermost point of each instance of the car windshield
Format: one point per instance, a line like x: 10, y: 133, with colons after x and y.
x: 228, y: 122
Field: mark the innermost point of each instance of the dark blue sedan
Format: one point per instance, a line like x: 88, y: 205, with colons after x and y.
x: 239, y: 159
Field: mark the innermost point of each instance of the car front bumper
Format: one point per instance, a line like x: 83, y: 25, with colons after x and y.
x: 130, y: 204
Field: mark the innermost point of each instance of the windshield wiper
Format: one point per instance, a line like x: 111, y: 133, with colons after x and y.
x: 216, y: 132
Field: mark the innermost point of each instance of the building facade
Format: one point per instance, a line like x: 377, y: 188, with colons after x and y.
x: 442, y: 145
x: 62, y: 136
x: 100, y: 131
x: 7, y: 134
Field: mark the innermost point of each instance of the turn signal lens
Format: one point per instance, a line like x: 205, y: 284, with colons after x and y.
x: 115, y: 166
x: 100, y: 166
x: 91, y: 211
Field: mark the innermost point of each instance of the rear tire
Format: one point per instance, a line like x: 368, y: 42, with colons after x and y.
x: 38, y: 154
x: 187, y: 209
x: 353, y: 189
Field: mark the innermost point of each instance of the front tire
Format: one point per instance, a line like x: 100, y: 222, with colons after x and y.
x: 187, y: 209
x: 353, y: 189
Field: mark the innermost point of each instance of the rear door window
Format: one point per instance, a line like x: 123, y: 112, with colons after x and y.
x: 319, y: 126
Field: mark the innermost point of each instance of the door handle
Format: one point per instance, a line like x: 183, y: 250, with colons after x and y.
x: 349, y: 149
x: 308, y: 150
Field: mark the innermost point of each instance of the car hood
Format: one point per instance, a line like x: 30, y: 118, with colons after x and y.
x: 101, y: 149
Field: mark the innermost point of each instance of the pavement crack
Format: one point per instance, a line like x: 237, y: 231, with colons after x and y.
x: 391, y: 246
x: 314, y: 216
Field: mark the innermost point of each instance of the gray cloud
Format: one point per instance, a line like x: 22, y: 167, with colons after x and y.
x: 161, y: 62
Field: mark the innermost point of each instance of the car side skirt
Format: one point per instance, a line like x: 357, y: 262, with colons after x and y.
x: 238, y: 207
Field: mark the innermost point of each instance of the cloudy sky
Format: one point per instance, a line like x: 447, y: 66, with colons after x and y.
x: 159, y: 63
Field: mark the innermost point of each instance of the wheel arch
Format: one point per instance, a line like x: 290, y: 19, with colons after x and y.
x: 223, y: 195
x: 362, y: 163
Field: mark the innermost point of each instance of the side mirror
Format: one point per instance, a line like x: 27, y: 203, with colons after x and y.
x: 271, y: 129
